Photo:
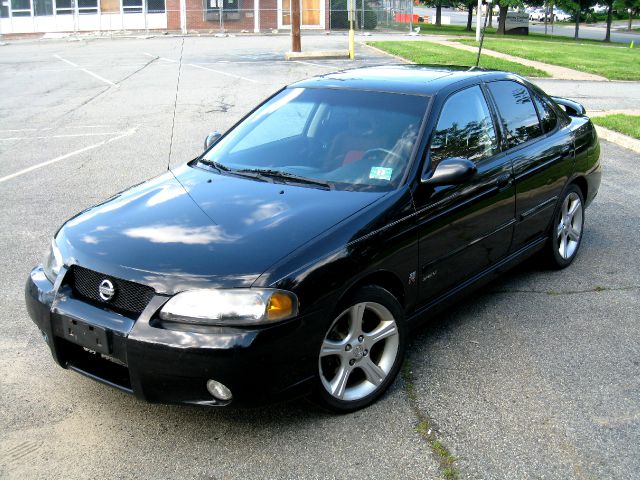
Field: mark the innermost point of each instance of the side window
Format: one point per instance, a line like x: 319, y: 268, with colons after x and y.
x: 548, y: 117
x: 517, y: 111
x: 465, y: 128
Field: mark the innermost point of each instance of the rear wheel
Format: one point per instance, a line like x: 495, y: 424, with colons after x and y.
x: 566, y: 230
x: 362, y: 350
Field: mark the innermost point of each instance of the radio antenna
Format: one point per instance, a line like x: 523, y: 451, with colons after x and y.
x: 175, y: 105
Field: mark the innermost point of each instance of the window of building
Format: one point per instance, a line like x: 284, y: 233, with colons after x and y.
x: 465, y: 128
x: 86, y: 7
x: 42, y: 7
x: 109, y: 6
x: 64, y: 7
x: 132, y: 6
x: 519, y: 116
x: 155, y: 6
x: 20, y: 8
x: 228, y: 5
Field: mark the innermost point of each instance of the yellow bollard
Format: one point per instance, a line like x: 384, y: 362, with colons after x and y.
x: 631, y: 44
x: 352, y: 52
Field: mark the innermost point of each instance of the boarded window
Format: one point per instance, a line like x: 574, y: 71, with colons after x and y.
x: 110, y: 6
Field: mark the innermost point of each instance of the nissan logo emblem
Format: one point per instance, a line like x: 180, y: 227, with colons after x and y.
x: 106, y: 290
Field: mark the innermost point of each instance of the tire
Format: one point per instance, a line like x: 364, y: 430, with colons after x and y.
x: 361, y: 352
x: 567, y: 229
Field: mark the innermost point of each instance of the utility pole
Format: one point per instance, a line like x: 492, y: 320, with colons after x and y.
x: 478, y: 18
x: 295, y: 26
x: 351, y: 15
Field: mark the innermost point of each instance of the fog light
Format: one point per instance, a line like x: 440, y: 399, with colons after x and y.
x: 218, y: 390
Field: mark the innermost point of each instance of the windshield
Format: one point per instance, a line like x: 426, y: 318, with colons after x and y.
x: 356, y: 140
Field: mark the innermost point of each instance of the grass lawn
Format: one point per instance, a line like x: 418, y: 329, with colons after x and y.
x: 627, y: 124
x: 614, y: 63
x: 431, y: 53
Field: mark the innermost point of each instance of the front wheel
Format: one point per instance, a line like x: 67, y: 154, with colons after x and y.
x: 566, y: 230
x: 362, y: 350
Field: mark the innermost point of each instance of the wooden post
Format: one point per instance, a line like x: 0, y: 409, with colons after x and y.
x: 295, y: 26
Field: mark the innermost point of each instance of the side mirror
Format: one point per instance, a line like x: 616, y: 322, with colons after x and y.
x: 212, y: 138
x: 451, y: 171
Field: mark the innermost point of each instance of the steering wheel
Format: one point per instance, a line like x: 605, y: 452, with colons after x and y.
x: 374, y: 151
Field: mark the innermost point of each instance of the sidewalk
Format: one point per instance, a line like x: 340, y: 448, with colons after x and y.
x: 556, y: 72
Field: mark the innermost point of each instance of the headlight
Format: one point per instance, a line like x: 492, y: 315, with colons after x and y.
x: 238, y: 307
x: 52, y: 262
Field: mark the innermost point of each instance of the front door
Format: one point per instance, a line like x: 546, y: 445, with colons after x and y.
x: 312, y: 14
x: 464, y: 228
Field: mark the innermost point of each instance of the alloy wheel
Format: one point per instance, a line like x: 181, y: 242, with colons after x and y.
x: 569, y: 228
x: 358, y: 351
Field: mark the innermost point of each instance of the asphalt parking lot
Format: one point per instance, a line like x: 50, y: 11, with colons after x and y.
x: 536, y: 376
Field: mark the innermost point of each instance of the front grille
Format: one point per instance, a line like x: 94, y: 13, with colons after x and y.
x: 130, y: 297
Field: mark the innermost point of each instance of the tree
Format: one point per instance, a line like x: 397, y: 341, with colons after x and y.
x: 609, y: 4
x: 631, y: 6
x: 438, y: 5
x: 502, y: 16
x: 470, y: 4
x: 576, y: 7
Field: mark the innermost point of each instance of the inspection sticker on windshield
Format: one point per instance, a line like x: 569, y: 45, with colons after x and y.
x: 380, y: 173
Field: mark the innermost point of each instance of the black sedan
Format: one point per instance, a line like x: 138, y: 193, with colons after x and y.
x: 293, y: 256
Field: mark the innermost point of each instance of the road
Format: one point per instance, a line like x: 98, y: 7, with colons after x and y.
x: 562, y: 29
x: 536, y: 376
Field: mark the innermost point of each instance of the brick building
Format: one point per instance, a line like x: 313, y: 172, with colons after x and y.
x: 31, y: 16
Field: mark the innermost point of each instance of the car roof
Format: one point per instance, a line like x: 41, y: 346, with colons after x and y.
x: 407, y: 79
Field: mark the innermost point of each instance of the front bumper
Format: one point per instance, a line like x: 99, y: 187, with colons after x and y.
x: 156, y: 364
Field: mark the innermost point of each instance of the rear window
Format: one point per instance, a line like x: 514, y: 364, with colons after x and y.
x: 548, y: 118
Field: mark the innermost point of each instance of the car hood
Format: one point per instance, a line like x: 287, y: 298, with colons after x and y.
x: 195, y: 229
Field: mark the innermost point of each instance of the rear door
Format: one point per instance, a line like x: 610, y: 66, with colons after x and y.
x: 540, y: 147
x: 464, y: 228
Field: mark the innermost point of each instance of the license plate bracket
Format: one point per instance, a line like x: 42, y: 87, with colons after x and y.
x: 93, y: 337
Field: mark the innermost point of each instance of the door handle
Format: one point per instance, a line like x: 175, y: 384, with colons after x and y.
x: 503, y: 181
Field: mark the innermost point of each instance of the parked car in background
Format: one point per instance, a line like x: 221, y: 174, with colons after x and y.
x: 561, y: 16
x: 537, y: 15
x: 293, y: 256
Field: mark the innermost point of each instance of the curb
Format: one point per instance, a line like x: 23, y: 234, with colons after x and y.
x: 618, y: 138
x: 397, y: 57
x: 316, y: 55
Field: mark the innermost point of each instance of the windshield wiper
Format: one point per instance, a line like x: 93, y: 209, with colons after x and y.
x: 286, y: 176
x: 218, y: 166
x: 242, y: 173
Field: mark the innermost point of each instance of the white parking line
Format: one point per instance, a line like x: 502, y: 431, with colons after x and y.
x: 67, y: 155
x: 194, y: 65
x: 26, y: 130
x: 312, y: 64
x: 223, y: 73
x: 95, y: 75
x: 64, y: 135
